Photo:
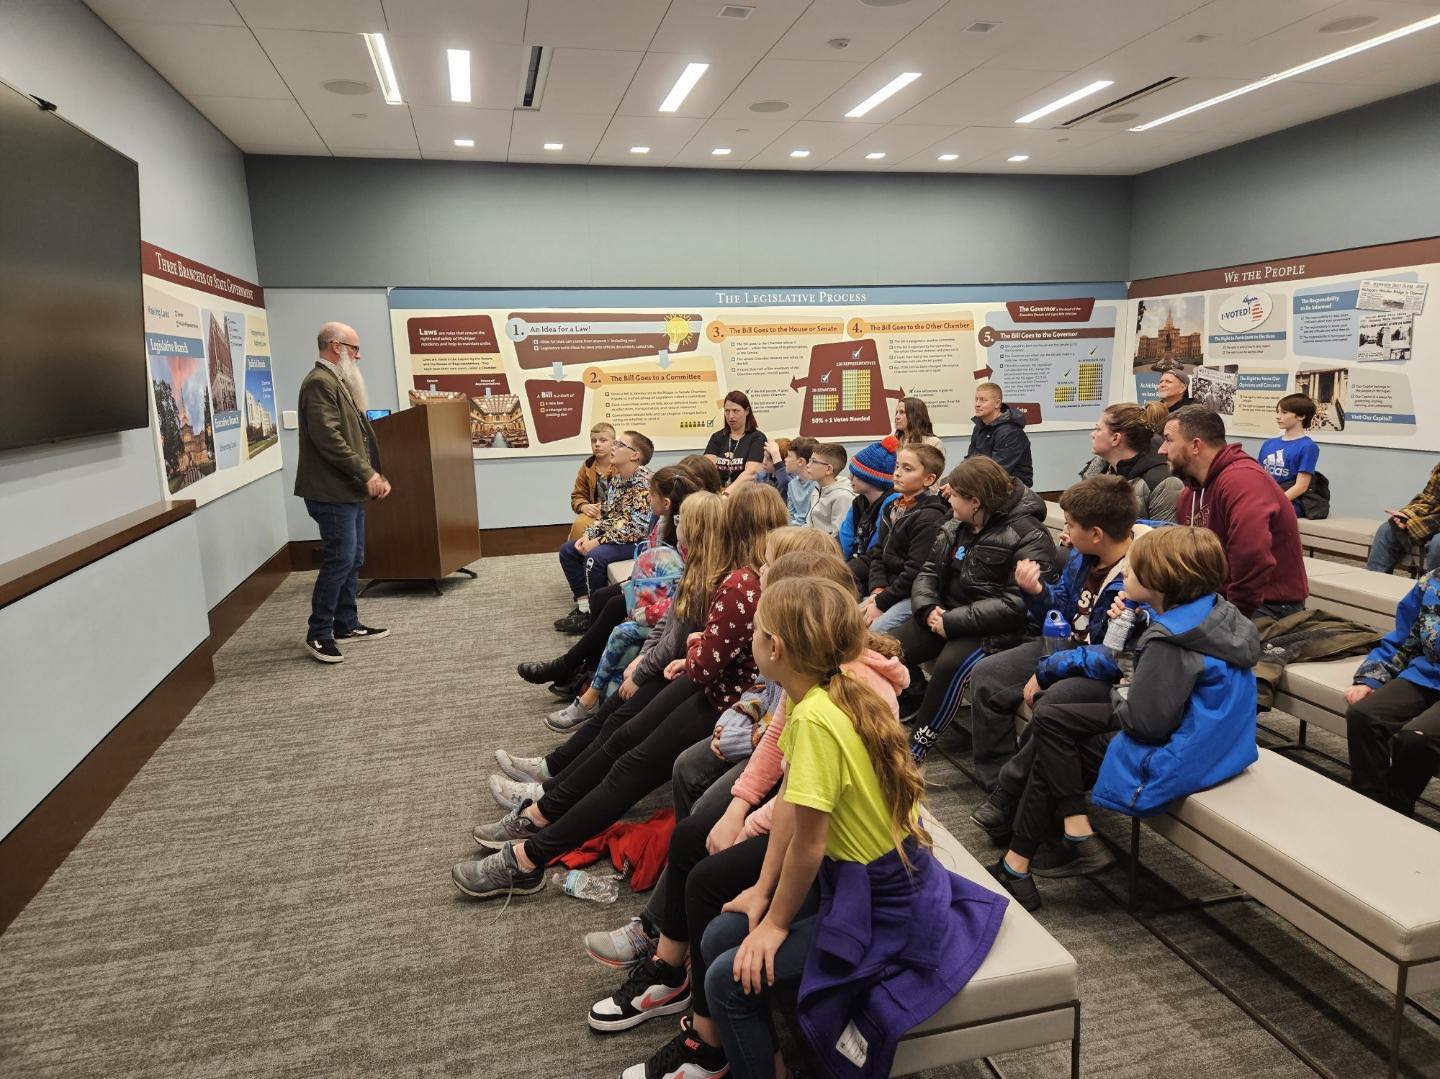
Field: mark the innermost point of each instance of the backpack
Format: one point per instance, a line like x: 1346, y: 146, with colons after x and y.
x: 1315, y: 503
x: 654, y: 577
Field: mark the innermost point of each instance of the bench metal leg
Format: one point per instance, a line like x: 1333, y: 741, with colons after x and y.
x: 1300, y: 736
x: 1075, y: 1046
x: 1399, y: 1020
x: 1134, y: 864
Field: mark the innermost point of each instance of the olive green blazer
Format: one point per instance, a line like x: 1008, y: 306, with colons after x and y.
x: 335, y: 441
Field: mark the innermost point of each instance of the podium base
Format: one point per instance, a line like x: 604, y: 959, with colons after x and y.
x: 433, y: 582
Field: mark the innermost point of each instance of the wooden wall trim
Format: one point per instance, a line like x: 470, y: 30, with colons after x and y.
x: 32, y: 572
x: 44, y: 839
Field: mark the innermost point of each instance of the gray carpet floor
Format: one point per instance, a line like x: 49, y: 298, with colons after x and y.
x: 271, y: 895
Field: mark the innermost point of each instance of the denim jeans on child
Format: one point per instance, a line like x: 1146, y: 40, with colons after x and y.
x: 1392, y: 544
x: 342, y: 535
x: 894, y: 618
x: 586, y: 573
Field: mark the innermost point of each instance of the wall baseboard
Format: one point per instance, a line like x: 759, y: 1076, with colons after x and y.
x: 37, y: 846
x: 494, y: 543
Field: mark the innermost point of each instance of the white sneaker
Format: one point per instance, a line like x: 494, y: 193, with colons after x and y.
x: 509, y: 794
x: 569, y: 717
x: 523, y: 769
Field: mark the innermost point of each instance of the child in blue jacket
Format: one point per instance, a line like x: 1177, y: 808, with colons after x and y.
x: 1393, y: 722
x: 1184, y: 722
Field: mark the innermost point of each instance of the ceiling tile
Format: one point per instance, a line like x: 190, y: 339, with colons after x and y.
x: 255, y: 121
x: 665, y: 135
x: 802, y: 83
x: 588, y: 82
x: 869, y: 30
x: 308, y: 59
x: 338, y: 16
x: 823, y: 141
x: 896, y: 141
x: 497, y: 70
x: 744, y: 137
x: 495, y: 21
x: 988, y: 95
x: 594, y: 24
x: 208, y: 12
x: 834, y: 107
x: 657, y: 74
x: 218, y: 61
x: 696, y: 26
x: 530, y: 130
x: 438, y: 128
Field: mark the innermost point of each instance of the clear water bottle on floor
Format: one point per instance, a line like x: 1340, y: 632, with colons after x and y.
x: 585, y: 885
x: 1055, y: 632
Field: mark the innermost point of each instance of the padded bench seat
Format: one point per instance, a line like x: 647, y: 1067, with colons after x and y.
x: 1315, y: 692
x: 1366, y: 597
x: 1026, y: 992
x: 620, y: 571
x: 1346, y: 536
x: 1348, y: 872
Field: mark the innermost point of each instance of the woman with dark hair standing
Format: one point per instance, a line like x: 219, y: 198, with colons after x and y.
x: 913, y: 426
x: 738, y: 447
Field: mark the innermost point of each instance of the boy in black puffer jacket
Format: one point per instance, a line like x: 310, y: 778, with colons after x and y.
x: 908, y: 525
x: 965, y: 598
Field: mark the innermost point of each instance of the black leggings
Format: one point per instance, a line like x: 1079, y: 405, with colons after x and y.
x: 607, y: 610
x: 619, y: 770
x: 710, y: 882
x: 1070, y: 739
x: 608, y: 718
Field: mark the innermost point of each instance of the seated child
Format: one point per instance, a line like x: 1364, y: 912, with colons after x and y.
x: 801, y: 490
x: 772, y: 465
x: 1291, y: 456
x: 872, y: 478
x: 834, y: 494
x: 623, y: 522
x: 1184, y: 722
x: 588, y: 493
x: 965, y: 598
x: 1393, y: 722
x: 908, y: 526
x: 1099, y: 523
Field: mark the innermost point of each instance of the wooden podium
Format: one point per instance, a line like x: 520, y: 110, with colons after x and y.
x: 428, y: 527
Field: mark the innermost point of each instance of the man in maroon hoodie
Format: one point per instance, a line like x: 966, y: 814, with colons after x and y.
x: 1225, y: 491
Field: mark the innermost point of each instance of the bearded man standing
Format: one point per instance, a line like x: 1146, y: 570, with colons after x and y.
x: 338, y: 469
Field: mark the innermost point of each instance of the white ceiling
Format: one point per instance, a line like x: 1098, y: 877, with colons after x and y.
x: 256, y: 69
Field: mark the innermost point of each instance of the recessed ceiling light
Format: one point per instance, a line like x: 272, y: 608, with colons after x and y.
x: 639, y: 149
x: 1068, y: 99
x: 948, y: 157
x: 1300, y: 69
x: 875, y: 155
x: 1018, y: 157
x: 735, y: 11
x: 384, y: 69
x: 554, y: 146
x: 683, y: 85
x: 458, y: 61
x: 894, y: 86
x: 1349, y: 25
x: 720, y: 151
x: 982, y: 27
x: 799, y: 153
x: 465, y: 144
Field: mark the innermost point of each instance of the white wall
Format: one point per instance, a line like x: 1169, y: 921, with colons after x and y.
x: 78, y: 655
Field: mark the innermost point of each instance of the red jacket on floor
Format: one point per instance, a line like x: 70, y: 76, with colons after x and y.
x: 642, y: 847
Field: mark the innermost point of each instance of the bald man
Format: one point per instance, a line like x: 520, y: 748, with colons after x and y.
x: 339, y: 469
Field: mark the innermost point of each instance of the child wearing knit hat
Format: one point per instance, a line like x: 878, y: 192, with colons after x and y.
x: 872, y: 475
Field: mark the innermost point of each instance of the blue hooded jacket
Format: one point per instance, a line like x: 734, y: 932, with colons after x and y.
x: 1187, y: 717
x: 1412, y: 649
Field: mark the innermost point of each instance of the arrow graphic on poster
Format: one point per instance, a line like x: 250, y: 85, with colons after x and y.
x: 984, y: 372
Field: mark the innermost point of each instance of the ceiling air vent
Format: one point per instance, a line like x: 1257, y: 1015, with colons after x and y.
x: 535, y: 74
x: 735, y: 11
x: 1144, y: 91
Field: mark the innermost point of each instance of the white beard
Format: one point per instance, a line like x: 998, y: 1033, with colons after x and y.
x: 349, y: 372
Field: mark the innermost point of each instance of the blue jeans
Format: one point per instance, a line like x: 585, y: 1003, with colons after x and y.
x: 1391, y: 544
x: 586, y: 573
x: 342, y: 535
x: 743, y: 1020
x: 894, y: 618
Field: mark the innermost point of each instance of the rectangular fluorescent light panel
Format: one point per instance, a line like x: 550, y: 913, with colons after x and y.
x: 799, y: 153
x: 465, y: 144
x: 554, y: 146
x: 459, y: 61
x: 720, y: 151
x: 639, y: 149
x: 384, y: 69
x: 1310, y: 65
x: 948, y: 157
x: 683, y: 85
x: 1068, y: 99
x: 890, y: 89
x: 1018, y: 157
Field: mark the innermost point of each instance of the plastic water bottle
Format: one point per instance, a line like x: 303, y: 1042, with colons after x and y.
x: 585, y: 885
x: 1055, y: 632
x: 1117, y: 633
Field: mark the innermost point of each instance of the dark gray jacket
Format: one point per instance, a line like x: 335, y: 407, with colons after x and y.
x: 338, y: 449
x: 666, y: 642
x: 1005, y: 442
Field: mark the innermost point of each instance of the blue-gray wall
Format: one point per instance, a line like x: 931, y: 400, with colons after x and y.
x: 77, y: 656
x: 1368, y: 176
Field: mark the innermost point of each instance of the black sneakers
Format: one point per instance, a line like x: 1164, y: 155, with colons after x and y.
x: 574, y: 623
x: 996, y: 818
x: 540, y: 671
x: 363, y: 633
x: 685, y: 1056
x: 1073, y: 859
x: 653, y: 988
x: 1021, y: 889
x: 324, y: 651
